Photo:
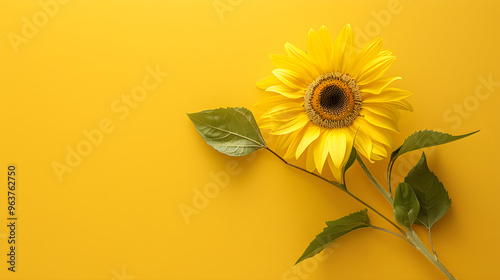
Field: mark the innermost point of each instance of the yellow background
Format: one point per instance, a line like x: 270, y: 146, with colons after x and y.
x: 116, y: 215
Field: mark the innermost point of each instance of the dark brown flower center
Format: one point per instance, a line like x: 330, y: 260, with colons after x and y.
x: 333, y: 100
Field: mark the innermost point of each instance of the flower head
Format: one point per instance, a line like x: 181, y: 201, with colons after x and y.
x: 322, y: 98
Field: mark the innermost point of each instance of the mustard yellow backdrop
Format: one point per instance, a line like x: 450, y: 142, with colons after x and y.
x: 114, y: 182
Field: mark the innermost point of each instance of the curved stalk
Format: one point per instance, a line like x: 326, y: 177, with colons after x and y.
x: 386, y: 194
x: 432, y: 245
x: 389, y: 173
x: 341, y: 187
x: 391, y: 232
x: 413, y: 237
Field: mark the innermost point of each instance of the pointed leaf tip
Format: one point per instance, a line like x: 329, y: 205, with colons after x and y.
x: 431, y: 194
x: 334, y: 230
x: 425, y: 138
x: 422, y: 139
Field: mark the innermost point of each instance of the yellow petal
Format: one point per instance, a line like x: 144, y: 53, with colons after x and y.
x: 310, y: 166
x: 283, y: 119
x: 290, y: 78
x: 327, y: 41
x: 379, y: 149
x: 267, y: 123
x: 270, y: 101
x: 365, y: 55
x: 337, y: 172
x: 320, y: 151
x: 397, y: 92
x: 298, y: 122
x: 301, y: 56
x: 401, y: 105
x: 376, y: 133
x: 375, y: 157
x: 283, y: 111
x: 267, y: 82
x: 380, y: 109
x: 290, y: 63
x: 379, y: 120
x: 316, y: 51
x: 288, y: 92
x: 337, y: 145
x: 283, y: 141
x: 388, y: 94
x: 342, y: 48
x: 385, y: 53
x: 378, y: 85
x: 311, y: 133
x: 375, y: 69
x: 296, y: 136
x: 363, y: 143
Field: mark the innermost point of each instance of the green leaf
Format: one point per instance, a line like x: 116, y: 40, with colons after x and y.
x: 334, y: 230
x: 418, y: 140
x: 350, y: 162
x: 406, y: 206
x: 431, y: 194
x: 423, y: 139
x: 352, y: 158
x: 232, y: 131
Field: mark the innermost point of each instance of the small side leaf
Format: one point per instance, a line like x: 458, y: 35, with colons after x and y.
x: 431, y: 194
x: 232, y: 131
x: 350, y: 162
x: 334, y: 230
x: 352, y: 158
x: 406, y: 205
x: 423, y: 139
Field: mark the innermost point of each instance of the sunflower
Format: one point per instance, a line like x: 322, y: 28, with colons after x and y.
x: 324, y: 97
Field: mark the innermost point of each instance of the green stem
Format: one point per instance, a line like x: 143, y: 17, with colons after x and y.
x: 389, y: 173
x: 413, y: 237
x: 341, y: 187
x: 387, y: 195
x: 338, y: 185
x: 378, y: 213
x: 391, y: 232
x: 432, y: 245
